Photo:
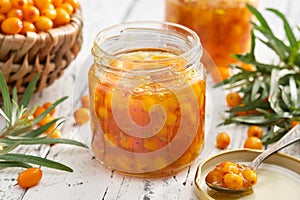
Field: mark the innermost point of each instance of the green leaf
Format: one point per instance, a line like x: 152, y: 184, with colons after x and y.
x: 288, y: 30
x: 41, y: 129
x: 5, y: 164
x: 41, y: 140
x: 5, y: 96
x: 35, y: 160
x: 15, y: 95
x: 259, y: 17
x: 29, y: 91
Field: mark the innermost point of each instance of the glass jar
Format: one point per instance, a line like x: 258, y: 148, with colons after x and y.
x: 222, y: 25
x: 147, y: 98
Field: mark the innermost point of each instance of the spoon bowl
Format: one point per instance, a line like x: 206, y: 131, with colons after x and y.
x: 289, y: 138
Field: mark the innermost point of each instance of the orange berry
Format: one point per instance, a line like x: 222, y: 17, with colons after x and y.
x: 31, y: 13
x: 50, y: 13
x: 255, y: 131
x: 57, y: 3
x: 42, y: 4
x: 253, y: 143
x: 5, y: 6
x: 223, y: 140
x: 30, y: 2
x: 250, y: 177
x: 19, y: 3
x: 28, y: 27
x: 233, y: 99
x: 294, y: 123
x: 85, y: 102
x: 38, y: 111
x: 233, y: 181
x: 29, y: 177
x: 11, y: 25
x: 47, y: 105
x: 43, y: 24
x: 2, y: 17
x: 55, y: 134
x: 82, y: 116
x: 15, y: 13
x: 74, y: 3
x: 225, y: 72
x: 62, y: 17
x: 68, y: 7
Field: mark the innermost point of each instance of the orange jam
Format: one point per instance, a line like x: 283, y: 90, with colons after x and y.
x: 147, y: 124
x: 222, y: 25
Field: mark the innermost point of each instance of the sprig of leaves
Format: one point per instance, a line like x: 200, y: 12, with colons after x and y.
x: 21, y: 129
x: 271, y: 93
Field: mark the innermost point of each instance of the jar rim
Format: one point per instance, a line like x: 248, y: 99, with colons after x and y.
x: 167, y: 26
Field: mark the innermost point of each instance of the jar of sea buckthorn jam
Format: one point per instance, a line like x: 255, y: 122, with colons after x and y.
x: 147, y: 98
x: 222, y: 25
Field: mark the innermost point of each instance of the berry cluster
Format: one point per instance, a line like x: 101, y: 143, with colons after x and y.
x: 22, y: 16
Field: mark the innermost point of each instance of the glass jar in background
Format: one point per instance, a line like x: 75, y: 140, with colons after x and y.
x: 223, y: 27
x: 147, y: 98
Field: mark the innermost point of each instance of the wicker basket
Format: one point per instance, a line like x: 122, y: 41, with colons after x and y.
x: 47, y: 53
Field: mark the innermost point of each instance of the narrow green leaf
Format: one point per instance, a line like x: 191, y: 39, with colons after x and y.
x: 259, y: 17
x: 288, y: 30
x: 42, y: 129
x: 5, y: 96
x: 9, y: 148
x: 35, y: 160
x: 5, y: 164
x: 29, y: 91
x: 41, y: 140
x: 255, y: 89
x: 15, y: 95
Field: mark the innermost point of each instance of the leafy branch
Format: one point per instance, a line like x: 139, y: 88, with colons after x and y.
x: 271, y: 93
x: 21, y: 129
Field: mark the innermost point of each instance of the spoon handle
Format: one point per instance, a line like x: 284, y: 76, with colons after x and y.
x: 289, y: 138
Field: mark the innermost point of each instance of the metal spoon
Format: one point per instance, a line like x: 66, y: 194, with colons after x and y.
x: 289, y: 138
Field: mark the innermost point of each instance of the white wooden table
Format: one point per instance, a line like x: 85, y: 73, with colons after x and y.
x: 90, y: 180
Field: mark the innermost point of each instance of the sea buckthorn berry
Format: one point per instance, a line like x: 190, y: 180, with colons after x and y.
x: 31, y: 13
x: 5, y: 6
x: 68, y: 7
x: 55, y: 134
x: 253, y: 143
x: 223, y: 140
x: 28, y: 27
x: 38, y: 111
x: 214, y: 177
x: 57, y: 3
x: 255, y: 131
x: 82, y: 116
x: 19, y: 3
x: 62, y: 17
x: 2, y: 17
x: 15, y: 12
x: 30, y: 2
x: 11, y: 25
x: 294, y: 123
x: 250, y: 176
x: 42, y: 4
x: 233, y: 181
x: 74, y: 3
x: 47, y: 105
x: 43, y: 24
x: 50, y: 13
x: 29, y: 177
x: 233, y: 99
x: 85, y: 101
